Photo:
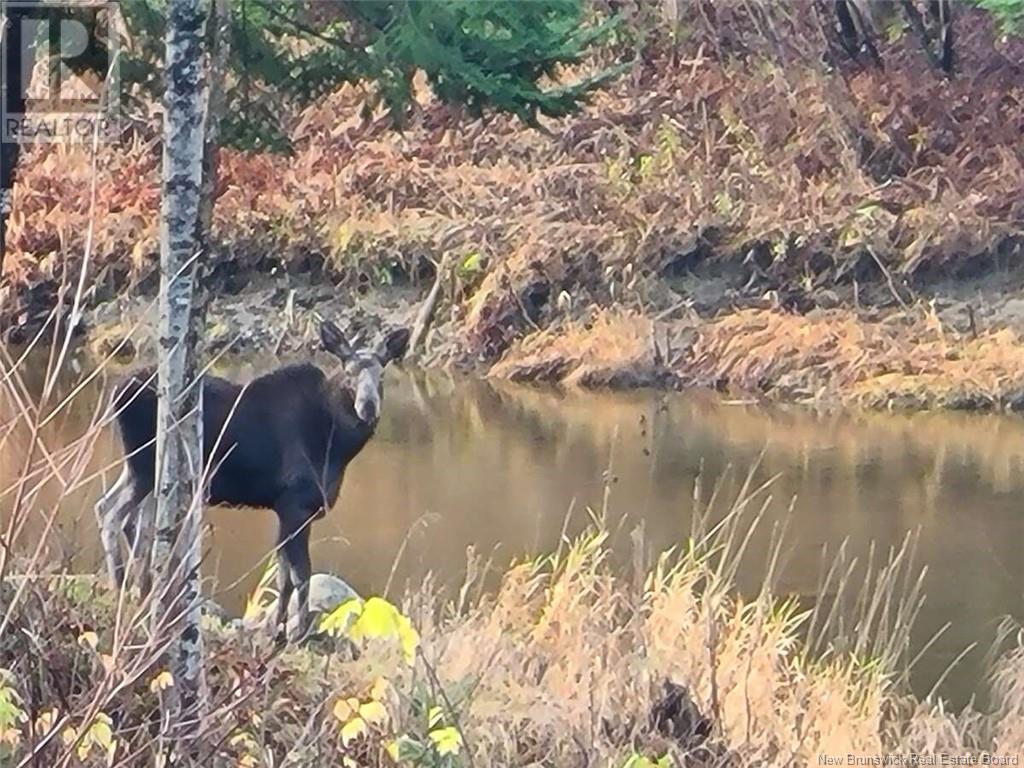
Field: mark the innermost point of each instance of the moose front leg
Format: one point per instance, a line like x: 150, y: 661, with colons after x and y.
x: 293, y: 570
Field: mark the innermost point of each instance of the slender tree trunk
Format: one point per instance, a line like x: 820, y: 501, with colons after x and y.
x: 220, y: 49
x: 19, y: 55
x: 176, y: 549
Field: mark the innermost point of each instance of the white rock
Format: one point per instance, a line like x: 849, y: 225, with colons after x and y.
x: 326, y: 592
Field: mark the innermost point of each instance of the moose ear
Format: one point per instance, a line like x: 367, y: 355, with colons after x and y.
x: 334, y: 340
x: 395, y: 345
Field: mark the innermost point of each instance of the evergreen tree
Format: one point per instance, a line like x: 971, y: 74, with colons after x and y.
x: 1009, y: 12
x: 480, y: 55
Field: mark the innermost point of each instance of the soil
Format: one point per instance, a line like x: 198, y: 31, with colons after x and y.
x: 273, y: 313
x: 871, y: 344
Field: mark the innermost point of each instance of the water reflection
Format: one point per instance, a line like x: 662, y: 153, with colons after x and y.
x: 460, y: 464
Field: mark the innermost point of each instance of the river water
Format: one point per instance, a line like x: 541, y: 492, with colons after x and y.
x: 460, y: 464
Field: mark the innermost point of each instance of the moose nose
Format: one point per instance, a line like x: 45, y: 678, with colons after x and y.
x: 366, y: 410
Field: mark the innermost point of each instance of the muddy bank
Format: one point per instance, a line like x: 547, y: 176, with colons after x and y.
x: 271, y: 314
x: 940, y: 344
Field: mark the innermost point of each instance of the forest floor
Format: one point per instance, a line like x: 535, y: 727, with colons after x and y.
x: 716, y: 219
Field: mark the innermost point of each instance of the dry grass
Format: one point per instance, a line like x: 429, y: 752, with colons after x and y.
x: 903, y: 359
x: 612, y: 349
x: 565, y: 665
x: 906, y: 360
x: 571, y: 661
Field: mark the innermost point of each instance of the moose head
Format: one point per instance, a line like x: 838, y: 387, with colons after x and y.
x: 364, y: 365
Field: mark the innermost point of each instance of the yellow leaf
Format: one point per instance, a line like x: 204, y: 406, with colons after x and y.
x: 352, y: 730
x: 374, y: 713
x: 341, y: 237
x: 161, y: 682
x: 10, y: 736
x: 89, y: 640
x: 409, y: 638
x: 447, y: 741
x: 343, y: 711
x: 338, y: 621
x: 46, y: 720
x: 379, y: 618
x: 374, y: 618
x: 243, y: 739
x: 379, y: 689
x: 100, y: 734
x: 434, y: 716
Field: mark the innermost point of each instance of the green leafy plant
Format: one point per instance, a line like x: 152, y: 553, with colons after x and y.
x: 439, y: 747
x: 1010, y: 13
x: 95, y: 738
x: 284, y: 56
x: 12, y: 715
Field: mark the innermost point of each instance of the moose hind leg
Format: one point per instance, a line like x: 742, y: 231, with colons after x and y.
x: 284, y: 591
x: 140, y: 531
x: 112, y: 511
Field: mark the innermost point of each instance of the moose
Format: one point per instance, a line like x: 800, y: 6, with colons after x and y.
x: 282, y: 442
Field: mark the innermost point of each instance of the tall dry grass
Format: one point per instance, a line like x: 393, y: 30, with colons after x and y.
x: 571, y: 661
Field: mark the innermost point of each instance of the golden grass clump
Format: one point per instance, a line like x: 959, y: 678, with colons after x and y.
x: 1008, y: 679
x: 613, y: 348
x: 908, y: 359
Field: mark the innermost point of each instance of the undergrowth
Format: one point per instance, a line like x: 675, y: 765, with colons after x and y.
x: 570, y: 662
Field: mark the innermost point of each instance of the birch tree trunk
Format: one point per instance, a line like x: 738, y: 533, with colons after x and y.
x: 19, y: 55
x: 179, y: 499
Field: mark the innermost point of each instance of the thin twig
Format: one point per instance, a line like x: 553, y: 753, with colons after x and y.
x: 448, y: 705
x: 425, y: 316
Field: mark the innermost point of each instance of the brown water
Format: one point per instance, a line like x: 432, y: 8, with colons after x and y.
x: 465, y: 464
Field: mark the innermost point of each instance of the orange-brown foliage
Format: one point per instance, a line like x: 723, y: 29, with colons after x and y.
x: 704, y: 152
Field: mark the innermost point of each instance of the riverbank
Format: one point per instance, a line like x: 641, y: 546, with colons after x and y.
x: 567, y: 663
x: 958, y: 347
x: 786, y: 231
